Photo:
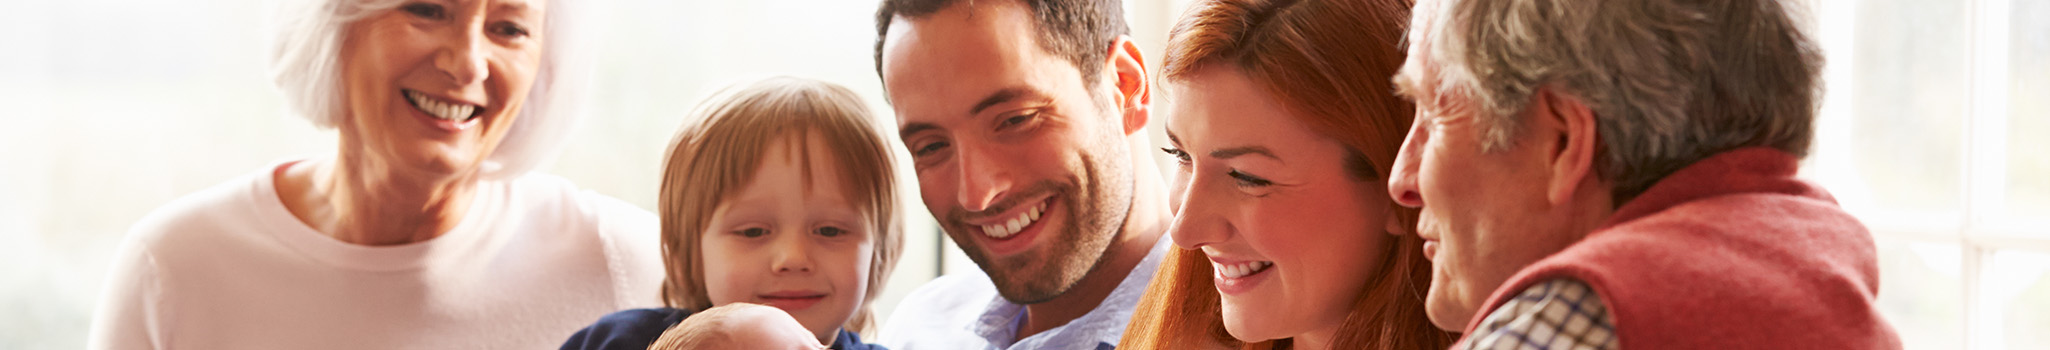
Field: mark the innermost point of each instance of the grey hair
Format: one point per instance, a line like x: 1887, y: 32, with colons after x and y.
x: 306, y: 66
x: 1670, y: 82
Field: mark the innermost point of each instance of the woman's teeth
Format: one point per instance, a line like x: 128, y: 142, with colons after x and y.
x: 1241, y: 269
x: 1011, y: 227
x: 441, y: 109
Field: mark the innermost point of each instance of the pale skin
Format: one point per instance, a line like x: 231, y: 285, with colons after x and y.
x: 1487, y: 215
x: 738, y: 326
x: 785, y: 243
x: 988, y: 115
x: 401, y: 174
x: 1259, y: 189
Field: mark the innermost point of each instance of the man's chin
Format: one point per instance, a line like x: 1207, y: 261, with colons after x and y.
x: 1445, y: 311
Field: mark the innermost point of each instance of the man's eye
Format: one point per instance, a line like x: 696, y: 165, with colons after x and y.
x: 752, y: 232
x: 425, y: 10
x: 930, y: 148
x: 830, y: 231
x: 509, y: 29
x: 1016, y: 120
x: 1180, y: 156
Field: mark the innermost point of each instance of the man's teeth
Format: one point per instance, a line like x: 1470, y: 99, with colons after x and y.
x: 1241, y: 269
x: 441, y: 109
x: 1011, y: 227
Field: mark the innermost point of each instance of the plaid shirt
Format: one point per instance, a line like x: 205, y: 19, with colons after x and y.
x: 1559, y: 314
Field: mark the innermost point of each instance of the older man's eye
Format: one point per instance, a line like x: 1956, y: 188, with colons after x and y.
x: 511, y: 30
x: 425, y: 10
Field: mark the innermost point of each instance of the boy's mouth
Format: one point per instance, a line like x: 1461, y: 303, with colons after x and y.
x: 791, y: 301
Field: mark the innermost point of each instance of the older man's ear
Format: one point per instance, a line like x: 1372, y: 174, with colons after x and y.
x: 1572, y: 151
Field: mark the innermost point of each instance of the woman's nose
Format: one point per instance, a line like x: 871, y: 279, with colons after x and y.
x: 462, y: 57
x: 1198, y: 222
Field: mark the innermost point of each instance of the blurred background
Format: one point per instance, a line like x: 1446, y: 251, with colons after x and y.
x: 1935, y: 132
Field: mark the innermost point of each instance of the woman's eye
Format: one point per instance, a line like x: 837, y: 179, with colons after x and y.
x: 830, y: 231
x: 510, y: 30
x: 1248, y: 180
x: 752, y: 232
x: 425, y: 10
x: 1180, y: 157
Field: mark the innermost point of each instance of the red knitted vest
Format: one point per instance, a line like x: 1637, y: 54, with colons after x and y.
x: 1731, y: 252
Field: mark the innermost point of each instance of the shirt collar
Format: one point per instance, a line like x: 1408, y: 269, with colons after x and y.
x: 1103, y: 325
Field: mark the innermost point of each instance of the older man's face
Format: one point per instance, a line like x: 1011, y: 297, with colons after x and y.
x: 1485, y: 214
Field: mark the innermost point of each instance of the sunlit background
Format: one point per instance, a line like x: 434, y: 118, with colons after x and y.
x: 1935, y: 132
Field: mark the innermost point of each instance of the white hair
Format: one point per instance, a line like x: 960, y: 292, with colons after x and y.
x: 1670, y: 81
x: 306, y: 66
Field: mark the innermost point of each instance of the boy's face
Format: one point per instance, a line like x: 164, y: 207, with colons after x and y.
x: 793, y: 244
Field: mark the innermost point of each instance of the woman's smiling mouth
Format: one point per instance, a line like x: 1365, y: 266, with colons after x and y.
x: 442, y: 109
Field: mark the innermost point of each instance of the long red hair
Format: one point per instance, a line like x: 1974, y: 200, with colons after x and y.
x: 1330, y: 63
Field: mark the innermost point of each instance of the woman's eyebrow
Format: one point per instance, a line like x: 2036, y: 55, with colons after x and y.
x: 1234, y: 152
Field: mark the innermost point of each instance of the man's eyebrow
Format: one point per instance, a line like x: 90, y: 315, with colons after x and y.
x: 1234, y: 152
x: 1403, y: 86
x: 513, y: 6
x: 914, y: 128
x: 1001, y: 96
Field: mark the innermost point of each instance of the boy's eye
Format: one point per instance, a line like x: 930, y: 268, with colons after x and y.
x: 752, y: 232
x: 830, y: 231
x: 425, y: 10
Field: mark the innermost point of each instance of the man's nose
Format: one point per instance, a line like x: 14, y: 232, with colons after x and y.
x: 1402, y: 180
x: 983, y: 182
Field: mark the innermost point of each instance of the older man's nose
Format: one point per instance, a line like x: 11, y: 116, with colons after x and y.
x: 1402, y: 181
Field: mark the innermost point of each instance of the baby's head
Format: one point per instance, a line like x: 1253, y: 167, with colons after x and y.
x: 781, y: 193
x: 738, y: 326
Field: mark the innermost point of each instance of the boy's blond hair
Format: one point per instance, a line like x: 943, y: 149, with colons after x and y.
x: 719, y: 153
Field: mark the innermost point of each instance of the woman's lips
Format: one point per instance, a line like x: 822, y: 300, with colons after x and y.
x: 1239, y: 277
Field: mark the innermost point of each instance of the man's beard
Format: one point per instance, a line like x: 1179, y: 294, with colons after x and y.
x: 1097, y: 211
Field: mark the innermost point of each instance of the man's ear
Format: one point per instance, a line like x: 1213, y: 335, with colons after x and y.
x: 1571, y: 156
x: 1127, y: 67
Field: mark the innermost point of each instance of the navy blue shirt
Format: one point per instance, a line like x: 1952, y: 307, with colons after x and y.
x: 636, y: 329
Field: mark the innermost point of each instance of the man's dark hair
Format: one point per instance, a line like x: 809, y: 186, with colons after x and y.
x: 1079, y: 30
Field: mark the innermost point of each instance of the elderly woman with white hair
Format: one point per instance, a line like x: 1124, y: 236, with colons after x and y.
x: 425, y: 229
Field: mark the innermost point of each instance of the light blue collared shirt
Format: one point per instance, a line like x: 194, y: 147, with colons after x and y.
x: 963, y: 311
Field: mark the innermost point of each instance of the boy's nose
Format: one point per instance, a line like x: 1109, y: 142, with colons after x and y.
x: 792, y: 256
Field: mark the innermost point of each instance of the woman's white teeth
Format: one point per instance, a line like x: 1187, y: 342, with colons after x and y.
x: 1241, y: 269
x: 1015, y: 224
x: 441, y: 109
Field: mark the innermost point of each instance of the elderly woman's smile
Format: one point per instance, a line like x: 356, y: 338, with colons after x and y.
x: 459, y: 114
